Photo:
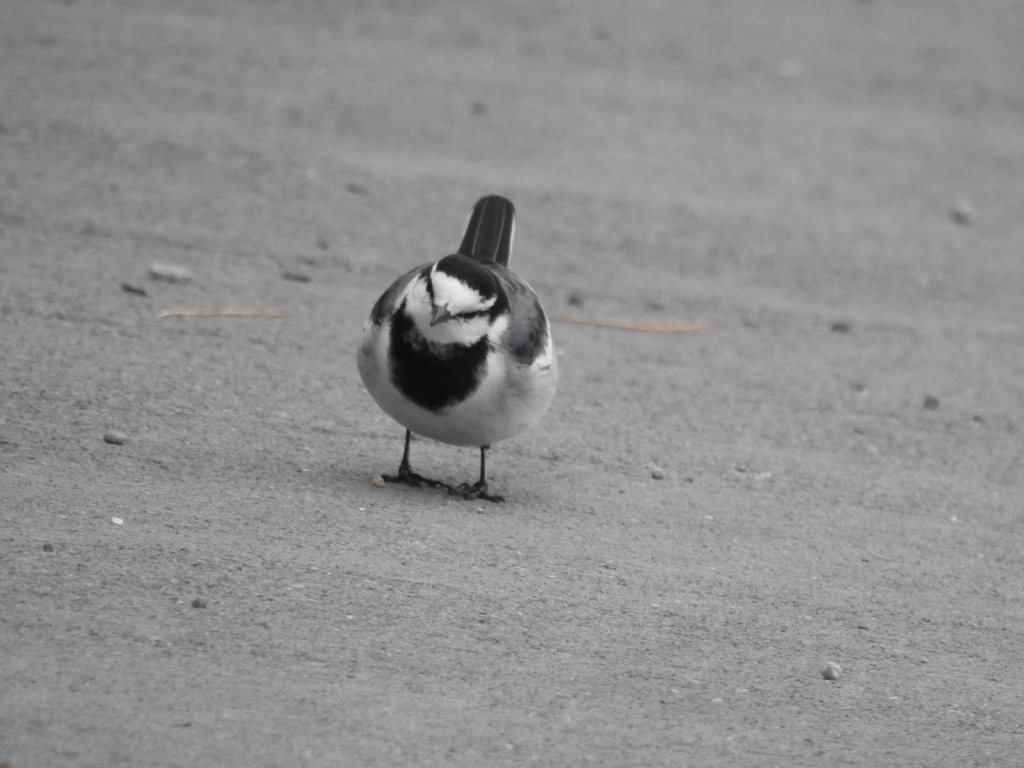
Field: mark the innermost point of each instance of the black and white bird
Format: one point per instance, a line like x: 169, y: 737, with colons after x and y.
x: 460, y: 350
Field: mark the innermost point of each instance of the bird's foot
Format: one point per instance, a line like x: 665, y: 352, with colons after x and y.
x: 468, y: 492
x: 476, y: 491
x: 407, y: 477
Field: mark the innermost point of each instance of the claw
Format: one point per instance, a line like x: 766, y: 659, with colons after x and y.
x: 407, y: 477
x: 475, y: 491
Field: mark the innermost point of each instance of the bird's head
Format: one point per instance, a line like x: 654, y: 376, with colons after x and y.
x: 456, y: 301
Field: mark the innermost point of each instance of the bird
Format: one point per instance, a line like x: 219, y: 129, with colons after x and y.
x: 459, y: 350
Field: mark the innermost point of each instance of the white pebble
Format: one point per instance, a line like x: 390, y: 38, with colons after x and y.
x: 658, y: 474
x: 117, y: 521
x: 116, y: 438
x: 831, y: 671
x: 170, y: 273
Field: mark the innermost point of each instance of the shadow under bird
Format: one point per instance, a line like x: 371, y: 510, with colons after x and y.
x: 459, y: 350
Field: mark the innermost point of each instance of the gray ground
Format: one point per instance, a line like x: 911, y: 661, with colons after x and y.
x: 792, y: 171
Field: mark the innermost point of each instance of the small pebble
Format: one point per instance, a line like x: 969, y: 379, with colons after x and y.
x: 199, y: 603
x: 133, y: 289
x: 574, y: 299
x: 658, y: 473
x: 963, y: 212
x: 931, y: 403
x: 298, y: 277
x: 47, y: 547
x: 117, y: 521
x: 378, y: 482
x: 831, y: 671
x: 840, y: 327
x: 117, y: 438
x: 169, y: 273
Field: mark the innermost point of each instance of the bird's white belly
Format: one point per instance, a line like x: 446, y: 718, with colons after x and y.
x: 507, y: 402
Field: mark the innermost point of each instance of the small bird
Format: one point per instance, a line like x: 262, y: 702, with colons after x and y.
x: 460, y: 350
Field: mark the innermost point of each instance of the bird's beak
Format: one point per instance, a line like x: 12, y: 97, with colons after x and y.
x: 440, y: 315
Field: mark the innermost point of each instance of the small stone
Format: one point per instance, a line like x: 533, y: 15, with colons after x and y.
x: 115, y: 438
x: 133, y: 289
x: 840, y: 327
x: 931, y: 403
x: 199, y: 603
x: 378, y: 482
x: 658, y: 474
x: 169, y: 273
x: 574, y: 299
x: 963, y: 212
x: 47, y: 547
x: 297, y: 277
x: 117, y: 521
x: 831, y: 671
x: 597, y: 401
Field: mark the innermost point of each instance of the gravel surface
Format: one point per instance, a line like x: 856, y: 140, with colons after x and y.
x: 831, y: 473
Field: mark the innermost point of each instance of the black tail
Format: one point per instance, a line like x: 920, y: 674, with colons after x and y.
x: 490, y: 230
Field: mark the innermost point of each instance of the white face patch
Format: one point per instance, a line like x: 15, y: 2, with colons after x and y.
x: 458, y: 297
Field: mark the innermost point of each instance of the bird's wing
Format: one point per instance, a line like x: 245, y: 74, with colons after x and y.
x: 387, y: 302
x: 527, y: 333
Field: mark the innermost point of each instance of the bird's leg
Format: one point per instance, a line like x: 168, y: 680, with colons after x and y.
x: 479, y: 489
x: 407, y: 476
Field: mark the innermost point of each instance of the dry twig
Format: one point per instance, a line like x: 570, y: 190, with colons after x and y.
x: 220, y: 313
x: 630, y: 326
